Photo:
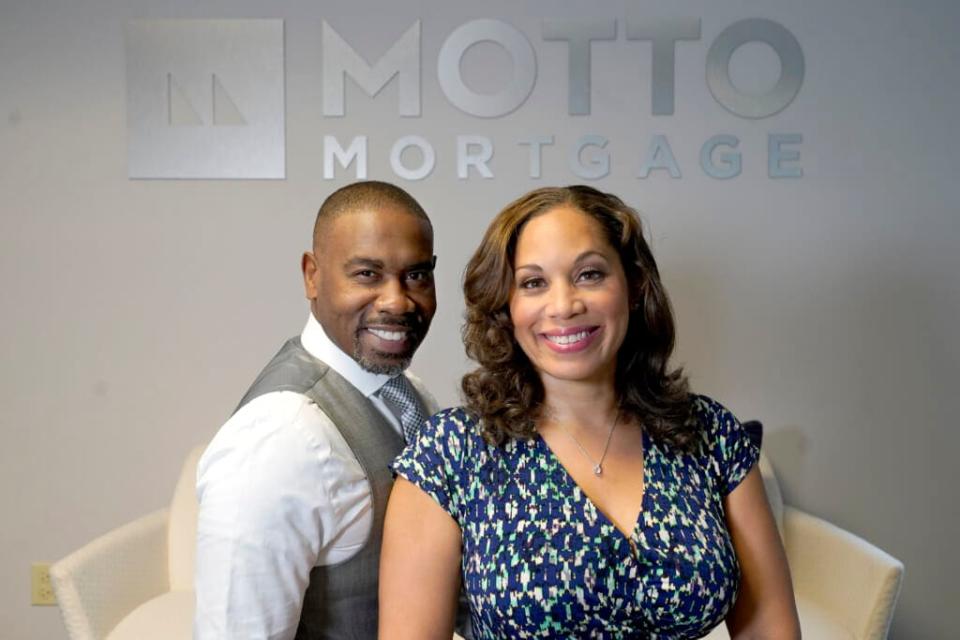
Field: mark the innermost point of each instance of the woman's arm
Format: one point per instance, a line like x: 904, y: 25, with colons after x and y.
x: 765, y: 606
x: 419, y: 567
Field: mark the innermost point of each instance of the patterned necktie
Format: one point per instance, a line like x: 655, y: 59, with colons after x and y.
x: 398, y: 392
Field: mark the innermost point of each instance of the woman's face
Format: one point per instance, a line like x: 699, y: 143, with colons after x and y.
x: 569, y: 303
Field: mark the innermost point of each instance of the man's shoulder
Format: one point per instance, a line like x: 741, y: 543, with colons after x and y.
x: 293, y: 368
x: 270, y: 441
x: 277, y: 421
x: 272, y: 409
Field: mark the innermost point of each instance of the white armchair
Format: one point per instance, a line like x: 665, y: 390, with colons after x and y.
x: 846, y: 588
x: 135, y: 582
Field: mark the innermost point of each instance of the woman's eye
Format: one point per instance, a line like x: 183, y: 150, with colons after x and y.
x: 591, y: 275
x: 531, y: 283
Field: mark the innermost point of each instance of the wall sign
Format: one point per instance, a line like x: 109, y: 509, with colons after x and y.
x: 205, y: 99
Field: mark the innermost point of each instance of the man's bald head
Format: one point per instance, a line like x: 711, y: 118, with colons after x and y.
x: 368, y: 195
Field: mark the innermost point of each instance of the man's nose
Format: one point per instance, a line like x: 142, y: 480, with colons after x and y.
x: 394, y: 298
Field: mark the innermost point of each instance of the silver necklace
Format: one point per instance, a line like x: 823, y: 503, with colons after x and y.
x: 597, y: 464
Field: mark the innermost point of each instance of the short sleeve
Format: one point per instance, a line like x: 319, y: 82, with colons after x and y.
x: 732, y: 450
x: 436, y: 461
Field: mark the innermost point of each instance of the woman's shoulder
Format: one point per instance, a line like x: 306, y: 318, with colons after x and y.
x: 716, y: 424
x: 454, y: 420
x: 733, y: 449
x: 454, y: 425
x: 710, y: 413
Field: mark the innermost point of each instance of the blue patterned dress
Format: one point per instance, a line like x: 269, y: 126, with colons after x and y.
x: 541, y: 561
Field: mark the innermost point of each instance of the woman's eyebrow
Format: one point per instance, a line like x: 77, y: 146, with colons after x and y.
x: 580, y: 258
x: 529, y: 267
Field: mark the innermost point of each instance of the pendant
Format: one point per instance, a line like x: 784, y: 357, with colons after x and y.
x: 597, y: 470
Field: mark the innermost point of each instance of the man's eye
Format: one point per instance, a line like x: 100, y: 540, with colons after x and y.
x: 420, y: 276
x: 365, y: 274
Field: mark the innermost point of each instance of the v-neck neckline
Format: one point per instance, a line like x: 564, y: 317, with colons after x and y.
x: 645, y: 501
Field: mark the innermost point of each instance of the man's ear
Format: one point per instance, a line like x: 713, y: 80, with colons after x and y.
x: 308, y: 265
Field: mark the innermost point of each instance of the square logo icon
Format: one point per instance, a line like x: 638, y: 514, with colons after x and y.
x: 205, y: 99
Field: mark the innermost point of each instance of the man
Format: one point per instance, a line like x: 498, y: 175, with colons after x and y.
x: 293, y: 487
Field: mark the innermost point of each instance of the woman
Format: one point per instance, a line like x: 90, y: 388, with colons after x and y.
x: 582, y: 491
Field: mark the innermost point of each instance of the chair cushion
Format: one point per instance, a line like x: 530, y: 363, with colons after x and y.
x: 183, y: 524
x: 815, y: 623
x: 719, y: 633
x: 166, y: 617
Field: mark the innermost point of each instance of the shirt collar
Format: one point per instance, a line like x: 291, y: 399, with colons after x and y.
x: 315, y: 340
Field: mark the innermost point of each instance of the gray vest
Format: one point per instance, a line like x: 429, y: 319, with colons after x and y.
x: 341, y: 600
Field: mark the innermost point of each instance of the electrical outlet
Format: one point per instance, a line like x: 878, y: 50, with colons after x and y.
x: 41, y: 591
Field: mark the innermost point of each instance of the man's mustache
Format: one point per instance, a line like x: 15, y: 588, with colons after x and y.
x: 412, y: 321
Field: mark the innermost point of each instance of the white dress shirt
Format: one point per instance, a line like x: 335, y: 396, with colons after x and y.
x: 280, y: 492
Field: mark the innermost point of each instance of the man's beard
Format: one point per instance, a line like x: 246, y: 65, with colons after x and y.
x: 390, y: 364
x: 395, y: 366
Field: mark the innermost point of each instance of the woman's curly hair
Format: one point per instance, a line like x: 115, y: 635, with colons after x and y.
x: 505, y: 391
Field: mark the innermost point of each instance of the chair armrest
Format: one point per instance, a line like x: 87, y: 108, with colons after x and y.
x: 855, y: 583
x: 100, y: 583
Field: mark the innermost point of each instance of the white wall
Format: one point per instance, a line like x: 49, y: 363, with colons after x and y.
x: 136, y: 312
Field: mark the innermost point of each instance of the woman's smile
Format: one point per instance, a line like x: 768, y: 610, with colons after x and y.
x: 571, y: 340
